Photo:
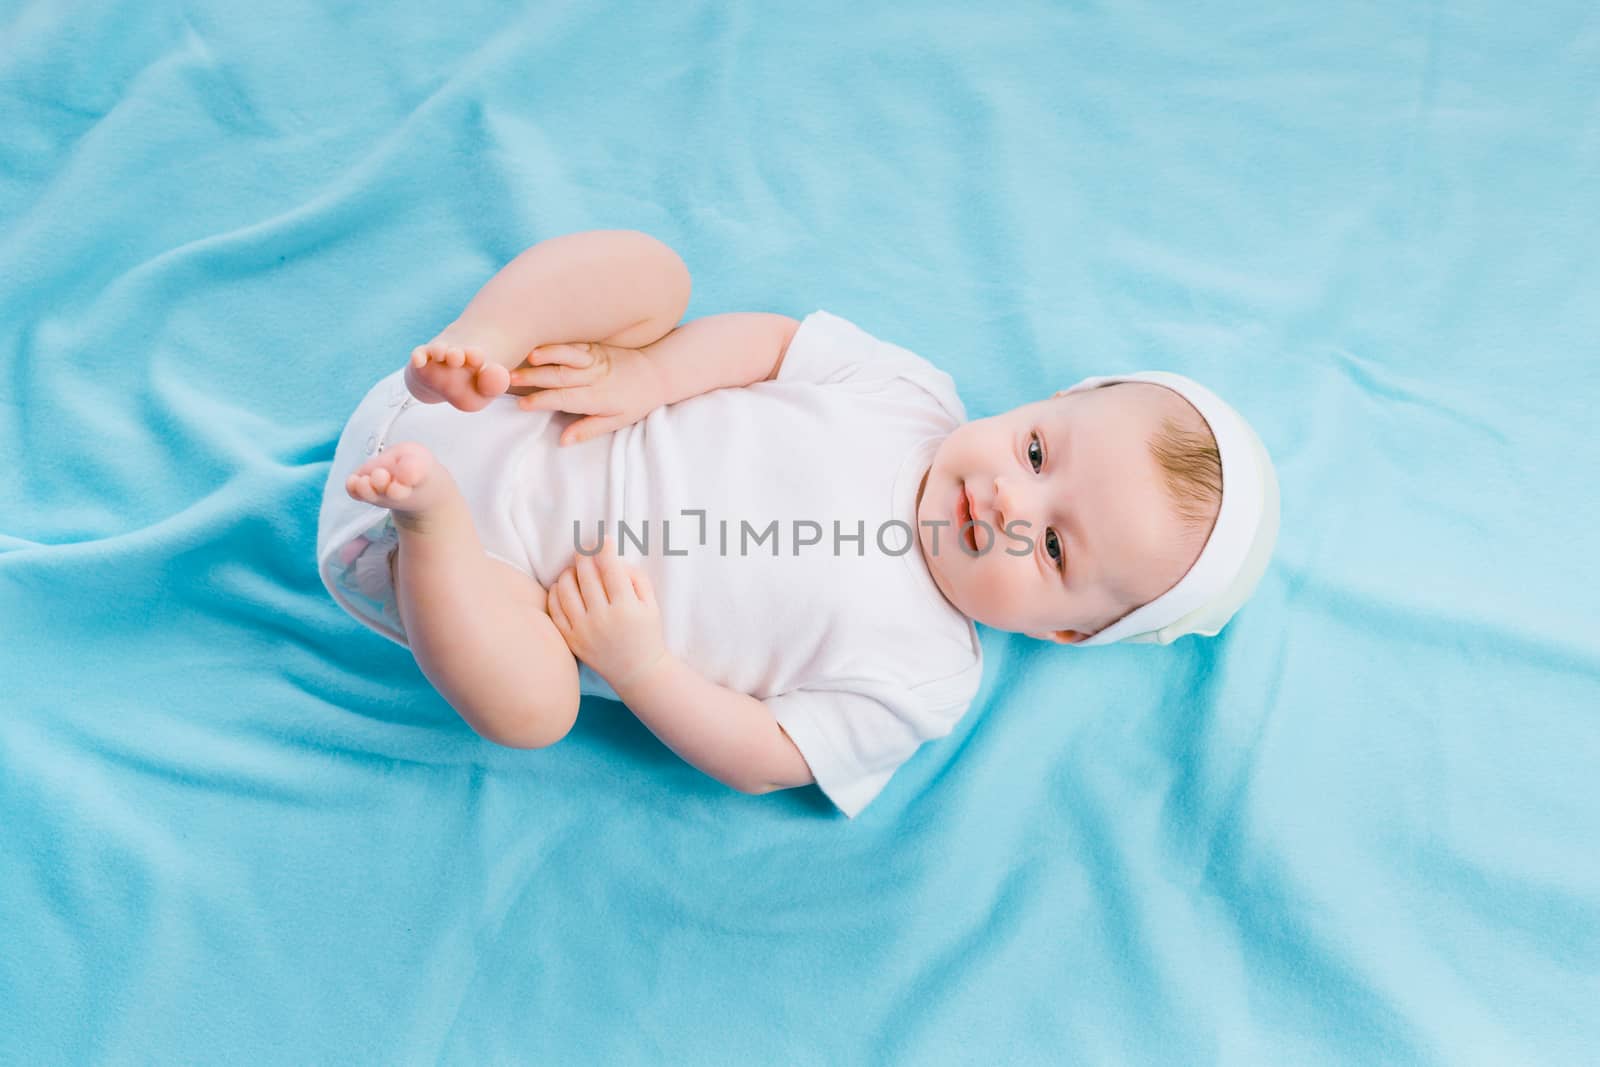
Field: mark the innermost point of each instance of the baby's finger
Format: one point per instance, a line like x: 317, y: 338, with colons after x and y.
x: 580, y: 401
x: 577, y: 354
x: 614, y: 575
x: 642, y: 587
x: 552, y: 608
x: 554, y: 376
x: 566, y: 588
x: 592, y: 426
x: 589, y: 583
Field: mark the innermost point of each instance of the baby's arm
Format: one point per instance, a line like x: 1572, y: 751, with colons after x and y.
x: 722, y: 351
x: 615, y: 386
x: 607, y: 613
x: 727, y: 734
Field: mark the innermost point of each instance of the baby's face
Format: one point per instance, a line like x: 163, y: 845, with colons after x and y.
x: 1073, y: 479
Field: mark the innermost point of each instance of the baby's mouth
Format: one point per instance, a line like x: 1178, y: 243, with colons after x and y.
x: 964, y: 521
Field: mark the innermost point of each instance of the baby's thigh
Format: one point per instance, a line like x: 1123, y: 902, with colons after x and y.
x: 479, y: 631
x: 518, y: 598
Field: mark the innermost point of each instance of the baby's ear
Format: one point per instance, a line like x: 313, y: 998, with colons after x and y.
x: 1060, y: 637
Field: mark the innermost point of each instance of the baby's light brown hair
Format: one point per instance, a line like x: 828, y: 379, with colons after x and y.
x: 1186, y: 452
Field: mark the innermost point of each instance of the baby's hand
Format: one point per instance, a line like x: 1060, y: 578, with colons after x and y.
x: 612, y: 385
x: 607, y: 613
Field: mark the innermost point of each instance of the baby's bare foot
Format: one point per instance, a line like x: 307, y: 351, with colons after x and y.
x: 406, y: 479
x: 440, y: 372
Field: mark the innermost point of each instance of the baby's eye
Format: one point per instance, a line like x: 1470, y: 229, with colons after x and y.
x: 1035, y: 452
x: 1052, y: 546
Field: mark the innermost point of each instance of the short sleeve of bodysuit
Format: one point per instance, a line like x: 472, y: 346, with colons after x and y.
x: 855, y: 740
x: 829, y: 350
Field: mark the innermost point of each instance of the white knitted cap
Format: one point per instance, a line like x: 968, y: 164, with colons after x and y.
x: 1241, y: 543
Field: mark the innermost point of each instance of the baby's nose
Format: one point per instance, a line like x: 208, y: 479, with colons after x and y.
x: 1005, y: 499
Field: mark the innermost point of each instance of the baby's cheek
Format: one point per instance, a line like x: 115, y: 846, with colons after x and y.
x: 1027, y: 596
x: 994, y: 586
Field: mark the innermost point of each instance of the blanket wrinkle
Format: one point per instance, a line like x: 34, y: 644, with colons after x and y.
x: 1356, y: 827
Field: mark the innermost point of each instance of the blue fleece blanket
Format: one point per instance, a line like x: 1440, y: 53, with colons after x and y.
x: 1358, y: 827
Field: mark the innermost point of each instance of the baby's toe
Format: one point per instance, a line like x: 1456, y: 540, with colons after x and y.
x: 420, y: 381
x: 492, y: 380
x: 380, y: 479
x: 411, y: 466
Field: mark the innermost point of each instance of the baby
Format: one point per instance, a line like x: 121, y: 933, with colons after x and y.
x: 770, y: 539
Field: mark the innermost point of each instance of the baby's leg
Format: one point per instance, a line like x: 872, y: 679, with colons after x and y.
x: 476, y: 626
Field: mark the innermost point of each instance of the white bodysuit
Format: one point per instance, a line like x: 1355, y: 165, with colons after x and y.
x: 776, y: 522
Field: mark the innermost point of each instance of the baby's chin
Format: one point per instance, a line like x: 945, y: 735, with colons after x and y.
x: 968, y: 605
